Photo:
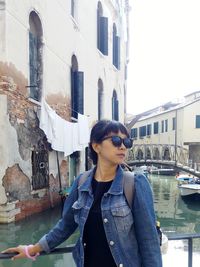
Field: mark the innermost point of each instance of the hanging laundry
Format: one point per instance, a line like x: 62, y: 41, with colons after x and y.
x: 83, y: 130
x: 68, y: 137
x: 47, y: 115
x: 63, y: 135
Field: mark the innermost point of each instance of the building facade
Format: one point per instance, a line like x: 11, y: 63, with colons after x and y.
x: 74, y: 55
x: 173, y: 124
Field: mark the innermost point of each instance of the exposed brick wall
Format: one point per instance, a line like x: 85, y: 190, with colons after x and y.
x: 61, y: 105
x: 29, y: 207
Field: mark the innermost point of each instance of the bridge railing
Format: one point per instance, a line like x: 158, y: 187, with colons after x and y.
x: 69, y: 249
x: 167, y: 154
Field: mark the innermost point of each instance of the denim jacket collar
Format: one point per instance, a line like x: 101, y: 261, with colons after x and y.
x: 116, y: 187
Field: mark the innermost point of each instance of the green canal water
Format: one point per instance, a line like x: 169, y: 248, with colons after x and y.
x: 175, y: 215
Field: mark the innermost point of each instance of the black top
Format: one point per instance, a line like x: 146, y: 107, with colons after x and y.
x: 97, y: 251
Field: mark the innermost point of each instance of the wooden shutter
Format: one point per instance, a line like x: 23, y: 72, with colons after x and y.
x: 116, y: 110
x: 33, y: 64
x: 117, y: 52
x: 104, y: 35
x: 78, y: 92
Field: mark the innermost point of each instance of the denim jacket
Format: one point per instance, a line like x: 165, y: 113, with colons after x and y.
x: 131, y: 235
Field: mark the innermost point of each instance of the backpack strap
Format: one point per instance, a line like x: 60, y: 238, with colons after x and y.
x: 128, y: 185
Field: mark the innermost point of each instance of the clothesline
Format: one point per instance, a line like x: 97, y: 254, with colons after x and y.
x: 63, y: 135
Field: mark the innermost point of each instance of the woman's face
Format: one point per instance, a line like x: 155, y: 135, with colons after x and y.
x: 108, y: 152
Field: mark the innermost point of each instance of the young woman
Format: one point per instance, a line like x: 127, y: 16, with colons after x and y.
x: 111, y: 233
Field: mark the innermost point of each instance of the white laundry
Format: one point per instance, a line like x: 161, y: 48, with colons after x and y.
x: 63, y: 135
x: 46, y: 119
x: 68, y: 137
x: 76, y: 145
x: 83, y: 130
x: 58, y: 133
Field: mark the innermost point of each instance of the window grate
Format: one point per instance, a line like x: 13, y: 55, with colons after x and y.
x: 40, y: 169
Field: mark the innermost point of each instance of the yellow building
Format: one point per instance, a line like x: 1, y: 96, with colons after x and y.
x: 173, y: 124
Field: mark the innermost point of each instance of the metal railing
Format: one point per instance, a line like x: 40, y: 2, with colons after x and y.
x: 189, y: 238
x: 69, y: 249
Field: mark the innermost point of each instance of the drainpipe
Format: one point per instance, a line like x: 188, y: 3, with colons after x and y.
x: 59, y: 178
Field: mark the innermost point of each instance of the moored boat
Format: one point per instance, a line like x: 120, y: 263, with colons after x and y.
x: 185, y: 178
x: 189, y: 189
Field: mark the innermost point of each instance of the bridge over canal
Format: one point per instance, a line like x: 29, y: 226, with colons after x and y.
x: 172, y: 156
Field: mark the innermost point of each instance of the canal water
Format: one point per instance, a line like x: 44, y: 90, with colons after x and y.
x: 174, y: 214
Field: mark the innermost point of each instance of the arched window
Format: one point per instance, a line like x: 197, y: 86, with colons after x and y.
x: 77, y: 89
x: 35, y: 56
x: 115, y: 108
x: 102, y: 30
x: 100, y: 99
x: 116, y: 48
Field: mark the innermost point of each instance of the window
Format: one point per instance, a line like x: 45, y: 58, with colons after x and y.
x: 162, y: 126
x: 115, y: 107
x: 102, y: 30
x: 166, y: 125
x: 134, y: 133
x: 116, y: 48
x: 77, y: 89
x: 100, y: 99
x: 155, y: 128
x: 149, y: 129
x: 142, y: 131
x: 173, y: 123
x: 35, y: 56
x: 197, y: 121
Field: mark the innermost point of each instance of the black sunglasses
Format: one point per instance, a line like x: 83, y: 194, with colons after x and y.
x: 117, y: 141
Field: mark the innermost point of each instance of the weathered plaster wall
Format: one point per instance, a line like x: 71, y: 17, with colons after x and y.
x: 17, y: 185
x: 21, y: 133
x: 9, y: 146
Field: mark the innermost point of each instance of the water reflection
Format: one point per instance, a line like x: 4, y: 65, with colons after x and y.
x: 29, y: 231
x: 174, y: 212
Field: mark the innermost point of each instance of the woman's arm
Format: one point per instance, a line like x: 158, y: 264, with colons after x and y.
x: 145, y: 223
x: 58, y: 234
x: 65, y: 226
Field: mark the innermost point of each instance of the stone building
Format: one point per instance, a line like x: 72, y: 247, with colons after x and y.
x: 74, y: 55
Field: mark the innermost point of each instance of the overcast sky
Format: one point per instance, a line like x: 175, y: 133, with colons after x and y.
x: 164, y: 52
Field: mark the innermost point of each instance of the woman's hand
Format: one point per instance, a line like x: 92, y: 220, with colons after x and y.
x: 21, y: 251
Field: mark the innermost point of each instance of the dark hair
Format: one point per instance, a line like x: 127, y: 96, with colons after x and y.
x: 101, y: 129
